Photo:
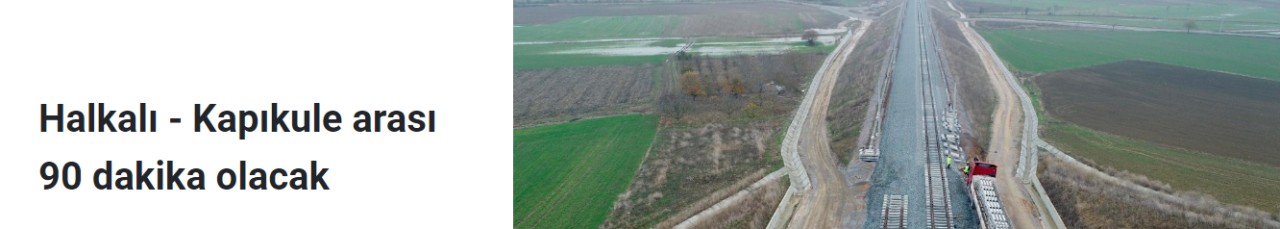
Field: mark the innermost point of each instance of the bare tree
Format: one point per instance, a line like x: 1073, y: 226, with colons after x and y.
x: 691, y: 84
x: 809, y: 36
x: 1190, y: 25
x: 674, y: 105
x: 737, y: 87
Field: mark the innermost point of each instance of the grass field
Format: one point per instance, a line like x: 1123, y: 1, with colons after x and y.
x: 1042, y: 51
x: 568, y: 175
x: 1228, y: 180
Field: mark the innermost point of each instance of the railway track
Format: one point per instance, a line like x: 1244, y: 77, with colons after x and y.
x: 910, y: 157
x: 938, y: 201
x: 894, y: 212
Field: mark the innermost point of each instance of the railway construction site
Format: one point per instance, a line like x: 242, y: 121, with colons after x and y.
x: 880, y: 122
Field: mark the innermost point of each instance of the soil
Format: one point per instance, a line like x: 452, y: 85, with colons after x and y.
x: 561, y: 94
x: 971, y: 7
x: 1085, y: 200
x: 976, y: 97
x: 752, y: 212
x: 771, y: 87
x: 687, y: 164
x: 1013, y: 25
x: 752, y: 23
x: 1213, y: 112
x: 1006, y: 127
x: 850, y: 98
x: 714, y: 145
x: 827, y: 204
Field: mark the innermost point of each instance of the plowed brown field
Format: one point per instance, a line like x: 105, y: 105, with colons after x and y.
x: 1206, y: 111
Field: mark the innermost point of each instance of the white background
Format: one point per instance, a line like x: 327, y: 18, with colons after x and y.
x: 451, y: 57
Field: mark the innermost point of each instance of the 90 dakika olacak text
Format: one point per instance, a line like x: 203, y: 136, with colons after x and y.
x: 166, y: 176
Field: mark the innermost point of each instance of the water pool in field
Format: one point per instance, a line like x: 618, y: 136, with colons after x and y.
x: 663, y: 46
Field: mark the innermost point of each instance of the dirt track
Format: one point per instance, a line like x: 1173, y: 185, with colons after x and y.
x: 827, y: 203
x: 1112, y: 27
x: 1005, y: 128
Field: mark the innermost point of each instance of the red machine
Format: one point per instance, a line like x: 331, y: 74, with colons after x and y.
x: 980, y: 168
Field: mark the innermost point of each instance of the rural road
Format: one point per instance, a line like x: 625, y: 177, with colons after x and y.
x: 1008, y: 130
x: 1113, y: 27
x: 826, y: 204
x: 1005, y: 127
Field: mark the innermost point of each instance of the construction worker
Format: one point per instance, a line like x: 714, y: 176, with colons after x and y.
x: 965, y: 170
x: 948, y: 161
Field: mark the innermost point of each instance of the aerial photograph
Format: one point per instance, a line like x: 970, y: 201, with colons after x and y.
x: 896, y: 114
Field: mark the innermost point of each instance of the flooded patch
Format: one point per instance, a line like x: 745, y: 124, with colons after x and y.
x: 830, y: 31
x: 595, y: 40
x: 1139, y: 19
x: 724, y: 50
x: 623, y: 51
x: 715, y: 46
x: 734, y: 50
x: 826, y: 40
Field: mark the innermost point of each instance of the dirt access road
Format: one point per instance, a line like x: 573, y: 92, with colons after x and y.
x: 827, y: 203
x: 1006, y: 126
x: 1115, y: 27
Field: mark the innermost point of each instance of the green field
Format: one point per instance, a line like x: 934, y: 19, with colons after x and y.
x: 1043, y: 51
x: 568, y: 175
x: 1227, y: 179
x: 587, y: 28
